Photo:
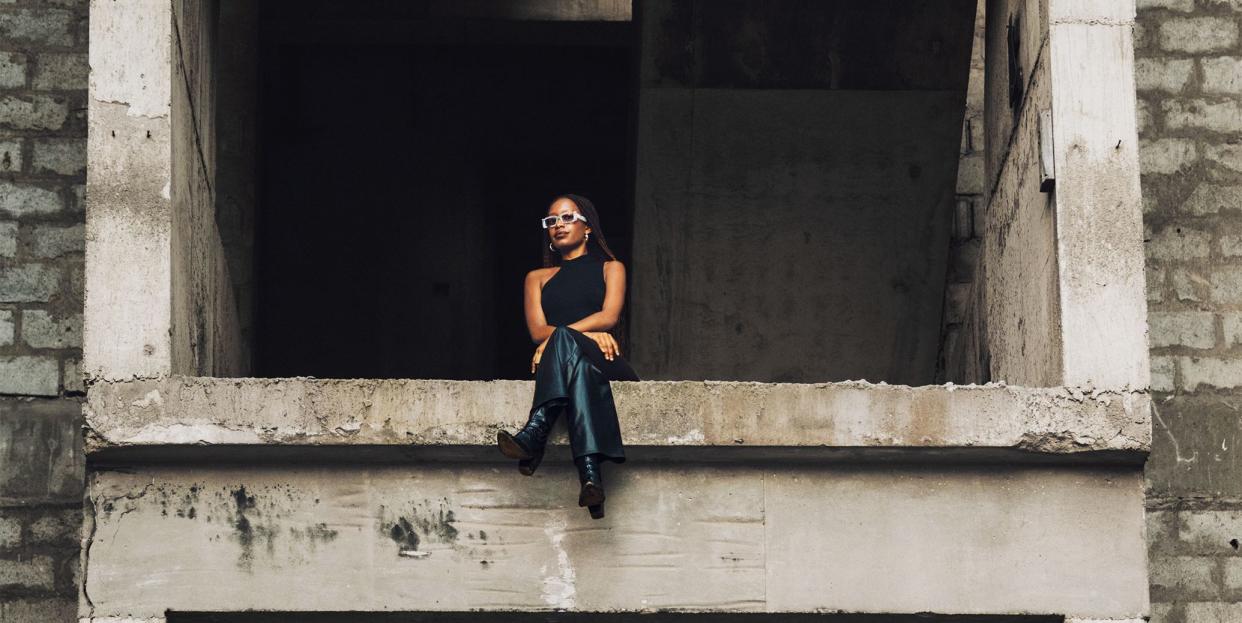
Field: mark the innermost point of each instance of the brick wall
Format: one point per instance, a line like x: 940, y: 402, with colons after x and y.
x: 1189, y: 77
x: 43, y: 73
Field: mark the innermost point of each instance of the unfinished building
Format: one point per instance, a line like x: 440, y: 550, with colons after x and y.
x: 292, y: 208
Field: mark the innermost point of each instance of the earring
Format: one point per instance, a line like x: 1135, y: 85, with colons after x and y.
x: 551, y: 248
x: 588, y: 237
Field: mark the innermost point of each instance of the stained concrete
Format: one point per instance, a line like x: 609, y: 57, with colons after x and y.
x: 1195, y: 444
x: 1099, y: 217
x: 156, y: 278
x: 1020, y: 302
x: 303, y: 412
x: 743, y: 538
x: 601, y: 617
x: 1062, y: 287
x: 40, y: 451
x: 126, y: 331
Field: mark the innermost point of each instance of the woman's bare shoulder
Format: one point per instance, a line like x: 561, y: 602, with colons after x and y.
x: 540, y: 275
x: 613, y: 265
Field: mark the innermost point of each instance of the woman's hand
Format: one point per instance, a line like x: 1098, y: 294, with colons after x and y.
x: 534, y: 361
x: 606, y: 343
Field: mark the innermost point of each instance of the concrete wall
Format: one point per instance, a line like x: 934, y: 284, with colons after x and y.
x: 1094, y: 150
x: 793, y: 200
x: 156, y: 273
x: 1189, y: 75
x: 206, y: 334
x: 1062, y: 245
x: 737, y: 538
x: 43, y: 75
x: 1018, y: 318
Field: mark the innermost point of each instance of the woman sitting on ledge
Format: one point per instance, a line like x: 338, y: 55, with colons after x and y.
x: 571, y: 304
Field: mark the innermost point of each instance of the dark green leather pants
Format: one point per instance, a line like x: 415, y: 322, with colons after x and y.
x: 574, y: 374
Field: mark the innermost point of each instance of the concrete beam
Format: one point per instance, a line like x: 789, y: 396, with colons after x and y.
x: 739, y: 538
x: 184, y: 412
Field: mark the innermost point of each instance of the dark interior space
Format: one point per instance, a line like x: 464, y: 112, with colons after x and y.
x: 406, y: 150
x: 404, y: 161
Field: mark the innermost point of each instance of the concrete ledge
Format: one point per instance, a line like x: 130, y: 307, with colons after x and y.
x: 793, y: 420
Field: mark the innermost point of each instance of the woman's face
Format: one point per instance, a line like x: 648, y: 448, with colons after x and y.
x: 565, y: 237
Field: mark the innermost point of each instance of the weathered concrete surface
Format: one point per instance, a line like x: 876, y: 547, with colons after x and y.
x: 1195, y: 449
x: 307, y: 412
x: 794, y: 184
x: 206, y: 333
x: 852, y: 45
x: 1019, y: 301
x: 41, y: 456
x: 159, y: 298
x: 1099, y: 220
x: 593, y: 617
x: 1062, y: 289
x: 126, y: 329
x: 742, y: 538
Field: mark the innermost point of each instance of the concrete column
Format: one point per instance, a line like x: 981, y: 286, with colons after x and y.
x: 1097, y: 198
x: 1063, y: 259
x: 127, y: 326
x: 159, y: 295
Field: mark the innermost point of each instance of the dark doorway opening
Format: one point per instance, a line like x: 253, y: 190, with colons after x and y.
x: 405, y: 160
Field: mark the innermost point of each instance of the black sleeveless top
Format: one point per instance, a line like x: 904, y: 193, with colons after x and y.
x: 575, y: 291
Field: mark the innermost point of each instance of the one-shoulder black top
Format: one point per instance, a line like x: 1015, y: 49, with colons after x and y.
x: 575, y: 291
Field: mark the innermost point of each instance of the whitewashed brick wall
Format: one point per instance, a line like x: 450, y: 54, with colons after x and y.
x: 1188, y: 73
x: 43, y: 74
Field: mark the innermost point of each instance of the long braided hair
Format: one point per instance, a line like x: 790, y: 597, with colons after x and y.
x: 596, y: 243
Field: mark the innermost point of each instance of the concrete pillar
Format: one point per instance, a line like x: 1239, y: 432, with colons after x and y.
x: 1097, y: 198
x: 1062, y: 256
x: 159, y: 297
x: 127, y: 325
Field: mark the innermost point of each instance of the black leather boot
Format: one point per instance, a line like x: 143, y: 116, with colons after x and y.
x: 589, y: 474
x: 528, y: 445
